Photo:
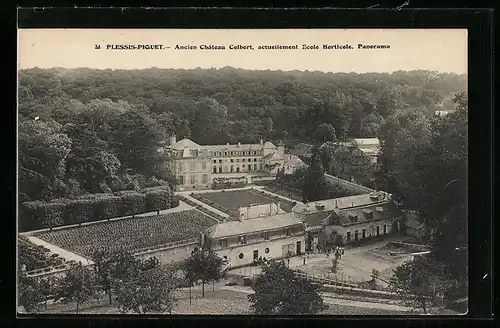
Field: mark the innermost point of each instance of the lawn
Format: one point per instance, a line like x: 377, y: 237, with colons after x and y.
x: 230, y: 201
x: 130, y: 234
x: 220, y: 302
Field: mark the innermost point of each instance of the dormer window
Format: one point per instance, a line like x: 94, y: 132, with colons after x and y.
x: 287, y: 231
x: 243, y: 240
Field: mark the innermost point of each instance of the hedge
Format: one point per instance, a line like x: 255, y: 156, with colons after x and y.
x: 38, y: 214
x: 158, y: 200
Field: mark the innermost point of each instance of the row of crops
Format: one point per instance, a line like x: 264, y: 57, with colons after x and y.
x: 131, y: 234
x: 34, y: 257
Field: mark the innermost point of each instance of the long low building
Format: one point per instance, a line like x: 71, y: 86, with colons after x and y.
x: 242, y: 242
x: 349, y: 219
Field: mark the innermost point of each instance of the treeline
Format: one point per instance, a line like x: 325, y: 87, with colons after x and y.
x: 48, y: 214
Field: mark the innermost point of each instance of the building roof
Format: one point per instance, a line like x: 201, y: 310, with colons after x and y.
x: 413, y: 223
x: 269, y: 144
x: 273, y: 156
x: 302, y: 149
x: 367, y: 141
x: 235, y: 228
x: 348, y: 216
x: 341, y: 203
x: 233, y: 147
x: 181, y: 144
x: 370, y: 151
x: 292, y: 160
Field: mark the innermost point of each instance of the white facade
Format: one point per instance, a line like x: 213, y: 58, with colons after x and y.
x: 270, y: 249
x: 358, y: 232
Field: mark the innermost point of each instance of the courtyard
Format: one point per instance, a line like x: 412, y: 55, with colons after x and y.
x: 229, y: 201
x: 355, y: 266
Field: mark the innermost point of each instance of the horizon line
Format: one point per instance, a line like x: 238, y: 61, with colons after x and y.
x: 240, y: 68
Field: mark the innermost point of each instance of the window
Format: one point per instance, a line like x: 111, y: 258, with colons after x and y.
x: 220, y: 160
x: 215, y: 161
x: 243, y: 240
x: 255, y: 167
x: 287, y: 231
x: 237, y: 160
x: 232, y: 153
x: 181, y: 167
x: 220, y: 169
x: 205, y: 178
x: 255, y: 159
x: 237, y: 169
x: 223, y: 243
x: 225, y: 153
x: 232, y: 168
x: 385, y: 229
x: 266, y: 250
x: 249, y: 160
x: 232, y: 160
x: 266, y: 235
x: 191, y: 165
x: 243, y: 160
x: 193, y: 179
x: 348, y: 236
x: 249, y: 167
x: 241, y: 256
x: 215, y: 169
x: 181, y: 179
x: 203, y: 165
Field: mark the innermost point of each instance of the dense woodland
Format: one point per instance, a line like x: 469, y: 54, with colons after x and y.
x: 98, y: 130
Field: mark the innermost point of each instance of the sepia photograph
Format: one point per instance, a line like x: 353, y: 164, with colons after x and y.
x: 242, y: 172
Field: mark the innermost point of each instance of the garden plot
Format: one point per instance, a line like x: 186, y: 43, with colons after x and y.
x: 130, y: 234
x: 230, y: 201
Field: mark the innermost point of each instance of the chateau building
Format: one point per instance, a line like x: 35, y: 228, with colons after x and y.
x: 196, y: 166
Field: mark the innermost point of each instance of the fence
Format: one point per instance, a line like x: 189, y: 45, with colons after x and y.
x: 351, y: 186
x: 173, y: 244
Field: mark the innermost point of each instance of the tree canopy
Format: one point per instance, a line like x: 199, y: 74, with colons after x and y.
x: 278, y: 291
x: 100, y: 130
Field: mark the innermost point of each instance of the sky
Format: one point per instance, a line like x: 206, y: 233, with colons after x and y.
x: 442, y: 50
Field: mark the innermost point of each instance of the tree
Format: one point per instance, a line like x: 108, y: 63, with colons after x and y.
x: 78, y: 285
x: 150, y: 291
x: 30, y: 295
x: 278, y: 291
x: 103, y: 266
x: 47, y: 287
x: 315, y: 186
x: 204, y: 265
x: 325, y: 132
x: 158, y: 200
x: 419, y: 283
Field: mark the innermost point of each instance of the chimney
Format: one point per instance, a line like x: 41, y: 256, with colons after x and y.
x: 239, y: 143
x: 352, y: 204
x: 336, y: 204
x: 278, y: 209
x: 172, y: 139
x: 271, y: 209
x: 261, y: 141
x: 243, y: 215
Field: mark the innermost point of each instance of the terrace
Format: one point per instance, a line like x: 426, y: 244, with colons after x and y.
x: 230, y: 201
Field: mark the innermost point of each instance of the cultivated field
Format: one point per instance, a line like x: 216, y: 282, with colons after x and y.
x: 35, y: 257
x: 229, y: 201
x: 130, y: 234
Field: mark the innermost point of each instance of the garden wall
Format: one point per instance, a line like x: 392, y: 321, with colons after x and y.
x: 352, y: 187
